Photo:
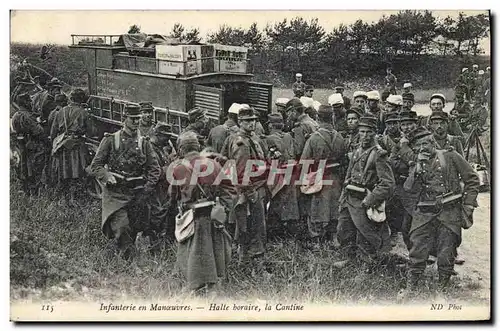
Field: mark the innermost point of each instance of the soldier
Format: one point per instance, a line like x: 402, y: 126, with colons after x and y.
x: 146, y: 124
x: 407, y: 88
x: 44, y: 102
x: 352, y: 138
x: 249, y: 209
x: 442, y: 208
x: 61, y: 102
x: 340, y: 89
x: 373, y: 98
x: 198, y: 123
x: 368, y: 183
x: 388, y: 142
x: 299, y: 86
x: 70, y: 155
x: 400, y: 167
x: 303, y: 128
x: 392, y: 134
x: 309, y: 90
x: 408, y: 122
x: 339, y: 113
x: 218, y: 135
x: 30, y: 143
x: 325, y: 144
x: 408, y: 101
x: 203, y: 254
x: 390, y: 81
x: 128, y: 169
x: 437, y: 103
x: 393, y: 104
x: 283, y: 207
x: 438, y: 124
x: 472, y: 79
x: 359, y: 98
x: 462, y: 86
x: 159, y: 203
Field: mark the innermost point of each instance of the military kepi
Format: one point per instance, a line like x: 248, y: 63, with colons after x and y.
x: 275, y: 118
x: 163, y: 129
x: 132, y: 110
x: 247, y: 113
x: 418, y: 133
x: 146, y: 106
x: 195, y: 113
x: 368, y: 121
x: 408, y: 116
x: 439, y: 115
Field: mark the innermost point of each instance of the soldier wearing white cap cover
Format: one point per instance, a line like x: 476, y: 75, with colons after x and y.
x: 299, y: 86
x: 373, y: 99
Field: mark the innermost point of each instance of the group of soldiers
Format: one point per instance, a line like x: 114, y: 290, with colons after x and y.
x: 389, y: 171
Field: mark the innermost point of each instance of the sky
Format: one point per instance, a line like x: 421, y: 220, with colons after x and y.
x: 36, y: 26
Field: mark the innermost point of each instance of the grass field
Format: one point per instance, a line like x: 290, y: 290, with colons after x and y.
x: 56, y: 254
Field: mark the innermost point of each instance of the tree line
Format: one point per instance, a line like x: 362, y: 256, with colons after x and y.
x: 360, y: 49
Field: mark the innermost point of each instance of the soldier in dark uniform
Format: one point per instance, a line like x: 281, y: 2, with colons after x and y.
x: 462, y: 87
x: 308, y: 91
x: 368, y: 183
x: 392, y: 133
x: 438, y: 124
x: 472, y: 79
x: 289, y: 114
x: 283, y: 207
x: 437, y: 102
x: 352, y: 138
x: 347, y: 101
x: 373, y: 98
x: 61, y: 102
x: 251, y: 192
x: 70, y: 155
x: 29, y: 143
x: 128, y: 182
x: 302, y: 129
x: 218, y: 135
x: 160, y: 210
x: 405, y: 201
x: 327, y: 145
x: 390, y: 81
x: 299, y: 86
x: 408, y: 101
x: 388, y: 141
x: 339, y: 113
x: 44, y: 102
x: 199, y: 123
x: 442, y: 209
x: 146, y: 124
x: 203, y: 255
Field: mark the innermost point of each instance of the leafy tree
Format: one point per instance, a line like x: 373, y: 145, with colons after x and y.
x: 134, y: 29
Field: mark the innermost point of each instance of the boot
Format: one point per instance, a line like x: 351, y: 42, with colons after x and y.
x: 444, y: 282
x: 412, y: 284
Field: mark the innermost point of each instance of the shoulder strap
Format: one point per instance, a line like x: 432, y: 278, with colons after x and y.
x: 330, y: 145
x: 369, y: 161
x: 65, y: 120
